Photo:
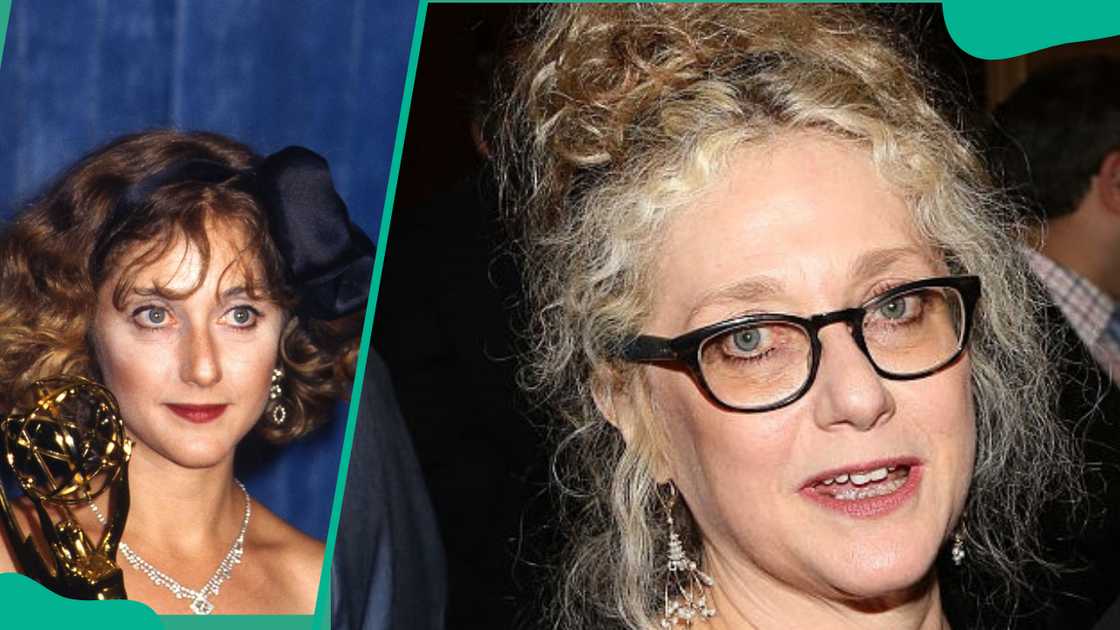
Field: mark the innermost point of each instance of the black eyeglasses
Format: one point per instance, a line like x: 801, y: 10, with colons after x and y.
x: 765, y: 361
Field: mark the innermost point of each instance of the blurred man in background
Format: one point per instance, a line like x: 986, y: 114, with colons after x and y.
x: 1063, y: 157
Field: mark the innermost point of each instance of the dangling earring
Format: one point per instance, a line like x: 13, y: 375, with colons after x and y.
x: 956, y: 552
x: 686, y: 598
x: 279, y: 412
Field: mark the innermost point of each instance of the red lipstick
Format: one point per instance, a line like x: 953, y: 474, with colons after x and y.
x: 198, y: 414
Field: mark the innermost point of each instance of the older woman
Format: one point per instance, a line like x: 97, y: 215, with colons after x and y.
x: 778, y: 308
x: 209, y: 289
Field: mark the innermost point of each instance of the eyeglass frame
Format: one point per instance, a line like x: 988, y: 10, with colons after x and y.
x: 685, y: 349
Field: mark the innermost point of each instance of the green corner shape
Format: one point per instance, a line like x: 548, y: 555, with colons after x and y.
x: 27, y: 604
x: 998, y: 29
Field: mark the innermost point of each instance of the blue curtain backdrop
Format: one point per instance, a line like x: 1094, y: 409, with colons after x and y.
x: 328, y: 75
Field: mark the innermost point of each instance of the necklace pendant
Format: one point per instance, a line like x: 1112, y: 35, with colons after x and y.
x: 201, y: 607
x: 199, y: 604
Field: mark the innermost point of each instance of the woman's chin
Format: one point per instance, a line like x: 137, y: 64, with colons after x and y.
x: 885, y: 565
x: 888, y: 578
x: 201, y: 455
x: 194, y: 455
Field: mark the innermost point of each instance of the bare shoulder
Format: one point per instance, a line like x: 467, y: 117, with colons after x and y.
x: 7, y: 565
x: 291, y: 560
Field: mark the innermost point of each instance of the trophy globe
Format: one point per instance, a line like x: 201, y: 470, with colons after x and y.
x: 66, y: 443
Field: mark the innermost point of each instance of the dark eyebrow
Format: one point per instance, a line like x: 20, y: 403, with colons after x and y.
x: 167, y: 294
x: 234, y: 292
x: 157, y: 291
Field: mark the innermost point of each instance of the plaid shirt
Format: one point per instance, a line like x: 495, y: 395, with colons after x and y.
x: 1085, y: 307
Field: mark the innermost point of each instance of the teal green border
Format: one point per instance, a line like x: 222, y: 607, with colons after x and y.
x: 236, y: 622
x: 5, y: 13
x: 988, y: 29
x: 322, y: 609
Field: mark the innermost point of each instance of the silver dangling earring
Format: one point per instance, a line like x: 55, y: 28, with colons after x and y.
x: 279, y: 412
x: 686, y: 598
x: 956, y: 552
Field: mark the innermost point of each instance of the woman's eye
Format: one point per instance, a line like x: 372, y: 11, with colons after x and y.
x: 151, y: 316
x: 748, y: 343
x: 771, y: 345
x: 747, y: 340
x: 243, y: 316
x: 899, y: 310
x: 895, y: 309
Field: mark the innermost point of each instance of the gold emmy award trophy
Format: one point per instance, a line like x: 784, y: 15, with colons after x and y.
x: 65, y: 443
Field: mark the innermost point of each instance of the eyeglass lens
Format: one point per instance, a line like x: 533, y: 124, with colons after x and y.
x: 757, y: 365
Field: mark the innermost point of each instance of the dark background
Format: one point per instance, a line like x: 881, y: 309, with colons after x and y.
x: 458, y: 38
x: 271, y: 73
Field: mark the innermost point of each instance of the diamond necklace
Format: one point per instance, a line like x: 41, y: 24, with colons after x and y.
x: 200, y: 602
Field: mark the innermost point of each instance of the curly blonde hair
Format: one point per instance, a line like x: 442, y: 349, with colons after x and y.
x: 616, y: 116
x: 48, y: 286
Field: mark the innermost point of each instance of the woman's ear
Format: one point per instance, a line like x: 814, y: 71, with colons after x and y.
x: 613, y: 402
x: 622, y: 405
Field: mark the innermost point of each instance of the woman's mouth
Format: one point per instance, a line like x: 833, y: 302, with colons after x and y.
x: 866, y: 490
x: 197, y: 413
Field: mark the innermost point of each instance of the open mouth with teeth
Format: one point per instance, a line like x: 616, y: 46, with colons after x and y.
x: 869, y: 490
x: 865, y: 484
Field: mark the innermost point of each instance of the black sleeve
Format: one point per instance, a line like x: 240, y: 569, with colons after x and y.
x: 388, y: 569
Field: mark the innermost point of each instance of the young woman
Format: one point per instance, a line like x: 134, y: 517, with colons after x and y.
x: 213, y: 292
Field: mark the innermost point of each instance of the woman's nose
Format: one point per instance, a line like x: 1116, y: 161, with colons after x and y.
x: 200, y: 363
x: 850, y: 391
